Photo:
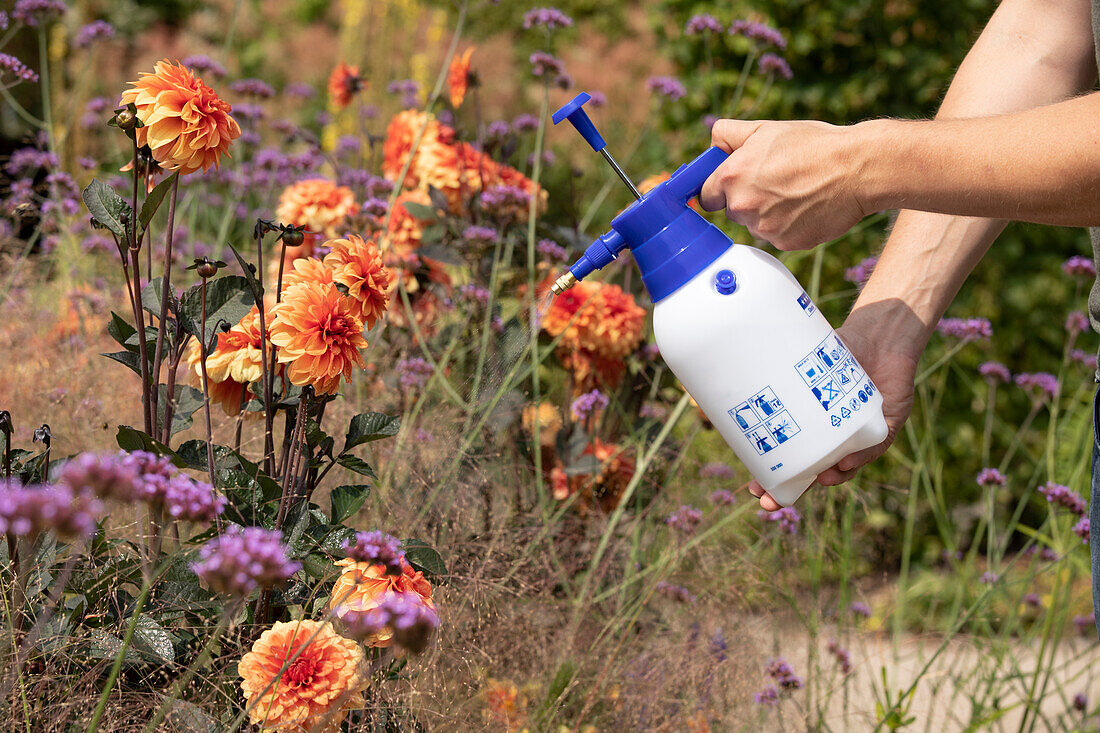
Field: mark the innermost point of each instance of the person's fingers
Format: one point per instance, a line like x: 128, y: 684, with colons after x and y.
x: 863, y: 457
x: 732, y: 134
x: 712, y: 196
x: 767, y: 503
x: 756, y: 489
x: 835, y: 476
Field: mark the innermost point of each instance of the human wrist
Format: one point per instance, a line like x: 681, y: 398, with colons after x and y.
x: 892, y: 324
x: 877, y: 150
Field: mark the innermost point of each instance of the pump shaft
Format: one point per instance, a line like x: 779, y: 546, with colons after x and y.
x: 622, y: 173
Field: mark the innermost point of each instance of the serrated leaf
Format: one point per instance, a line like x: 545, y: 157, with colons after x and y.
x: 228, y: 299
x: 424, y: 557
x: 108, y: 208
x: 354, y: 463
x: 370, y: 426
x: 153, y: 641
x: 128, y: 358
x: 347, y: 501
x: 188, y: 717
x: 153, y: 200
x: 120, y: 330
x: 255, y: 284
x: 318, y: 567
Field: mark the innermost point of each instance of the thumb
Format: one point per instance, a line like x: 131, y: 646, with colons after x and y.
x: 732, y: 134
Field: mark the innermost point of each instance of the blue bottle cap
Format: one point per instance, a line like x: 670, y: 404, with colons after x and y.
x: 725, y: 282
x: 574, y: 112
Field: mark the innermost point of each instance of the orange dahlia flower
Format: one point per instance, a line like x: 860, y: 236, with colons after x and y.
x: 315, y: 691
x: 401, y: 134
x: 306, y: 269
x: 505, y: 705
x: 402, y: 237
x: 318, y: 204
x: 618, y: 325
x: 185, y: 124
x: 343, y: 83
x: 234, y: 363
x: 357, y: 265
x: 570, y: 314
x: 458, y: 77
x: 318, y: 335
x: 362, y: 586
x: 606, y: 488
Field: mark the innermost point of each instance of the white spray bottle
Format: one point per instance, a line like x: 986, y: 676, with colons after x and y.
x: 738, y: 331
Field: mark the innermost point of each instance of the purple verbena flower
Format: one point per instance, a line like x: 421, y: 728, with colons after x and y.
x: 405, y: 615
x: 525, y: 123
x: 1033, y: 600
x: 781, y: 672
x: 761, y: 32
x: 252, y: 87
x: 588, y: 403
x: 843, y: 658
x: 723, y: 497
x: 990, y: 477
x: 989, y: 578
x: 1043, y: 384
x: 1077, y: 322
x: 475, y: 292
x: 1084, y: 358
x: 994, y: 371
x: 716, y: 469
x: 718, y: 646
x: 475, y: 234
x: 35, y: 12
x: 769, y: 63
x: 675, y: 592
x: 496, y: 197
x: 4, y: 21
x: 1082, y: 528
x: 861, y: 273
x: 967, y: 329
x: 666, y: 86
x: 548, y: 18
x: 598, y: 99
x: 685, y: 519
x: 543, y: 64
x: 28, y: 511
x: 1078, y: 266
x: 1080, y: 702
x: 1085, y: 624
x: 550, y: 249
x: 409, y: 89
x: 787, y: 518
x: 653, y: 411
x: 377, y: 548
x: 203, y: 64
x: 30, y: 160
x: 375, y: 207
x: 240, y: 560
x: 703, y: 23
x: 250, y: 112
x: 497, y: 132
x: 768, y: 696
x: 95, y: 31
x: 108, y: 476
x: 859, y: 608
x: 299, y: 90
x: 162, y: 485
x: 11, y: 66
x: 1064, y: 496
x: 413, y: 373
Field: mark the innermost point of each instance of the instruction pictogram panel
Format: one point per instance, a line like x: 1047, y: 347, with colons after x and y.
x: 764, y: 420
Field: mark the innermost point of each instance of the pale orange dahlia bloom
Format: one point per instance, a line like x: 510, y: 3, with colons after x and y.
x: 505, y: 705
x: 306, y: 269
x: 401, y: 134
x: 619, y: 324
x: 343, y: 83
x: 316, y: 691
x: 570, y: 314
x: 185, y: 124
x: 318, y: 335
x: 357, y: 265
x: 318, y: 204
x: 402, y: 237
x: 234, y: 363
x: 362, y: 586
x: 458, y: 77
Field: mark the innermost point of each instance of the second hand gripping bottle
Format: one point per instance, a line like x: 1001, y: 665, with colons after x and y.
x: 738, y: 331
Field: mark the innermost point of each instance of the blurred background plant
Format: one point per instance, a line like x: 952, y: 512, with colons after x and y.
x: 601, y: 567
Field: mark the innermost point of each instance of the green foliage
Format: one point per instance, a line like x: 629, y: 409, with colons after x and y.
x: 108, y: 208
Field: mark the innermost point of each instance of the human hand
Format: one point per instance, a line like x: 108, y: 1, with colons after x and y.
x: 893, y: 368
x: 794, y: 184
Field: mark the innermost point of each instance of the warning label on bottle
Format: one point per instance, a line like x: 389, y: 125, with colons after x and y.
x: 765, y: 421
x: 831, y: 372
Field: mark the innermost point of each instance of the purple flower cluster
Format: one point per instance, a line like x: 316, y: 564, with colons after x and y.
x: 33, y: 12
x: 990, y: 477
x: 548, y: 18
x: 781, y: 672
x: 496, y: 197
x: 163, y: 486
x: 858, y: 608
x: 716, y: 469
x: 299, y: 90
x: 97, y: 30
x: 475, y: 292
x: 1064, y: 496
x: 375, y: 207
x: 1082, y: 529
x: 409, y: 89
x: 967, y: 329
x: 1033, y: 600
x: 787, y: 518
x: 768, y: 696
x: 666, y: 86
x: 685, y: 519
x: 861, y: 273
x: 1084, y: 358
x: 13, y: 66
x: 1046, y: 553
x: 723, y: 497
x: 253, y: 88
x: 4, y: 21
x: 240, y: 560
x: 525, y: 123
x: 843, y: 659
x: 1044, y: 383
x: 377, y: 548
x: 29, y: 160
x: 28, y: 511
x: 653, y: 411
x: 989, y: 578
x: 413, y: 373
x: 1078, y: 266
x: 588, y: 403
x: 1084, y: 624
x: 674, y: 592
x: 551, y: 249
x: 475, y: 234
x: 543, y: 64
x: 703, y: 23
x: 108, y: 476
x: 598, y: 98
x: 411, y: 620
x: 995, y: 371
x: 1077, y: 322
x: 770, y: 63
x: 1080, y: 702
x: 761, y: 32
x: 202, y: 64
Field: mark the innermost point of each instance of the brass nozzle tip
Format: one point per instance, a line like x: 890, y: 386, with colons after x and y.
x: 563, y: 283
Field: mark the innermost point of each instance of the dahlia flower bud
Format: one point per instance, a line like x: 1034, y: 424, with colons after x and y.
x: 240, y: 560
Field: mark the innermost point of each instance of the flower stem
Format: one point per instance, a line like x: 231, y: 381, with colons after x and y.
x: 93, y: 724
x: 139, y: 308
x: 206, y: 389
x: 166, y: 289
x: 532, y: 220
x: 269, y: 416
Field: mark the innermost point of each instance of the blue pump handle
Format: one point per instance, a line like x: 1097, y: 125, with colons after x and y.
x: 573, y: 111
x: 688, y: 180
